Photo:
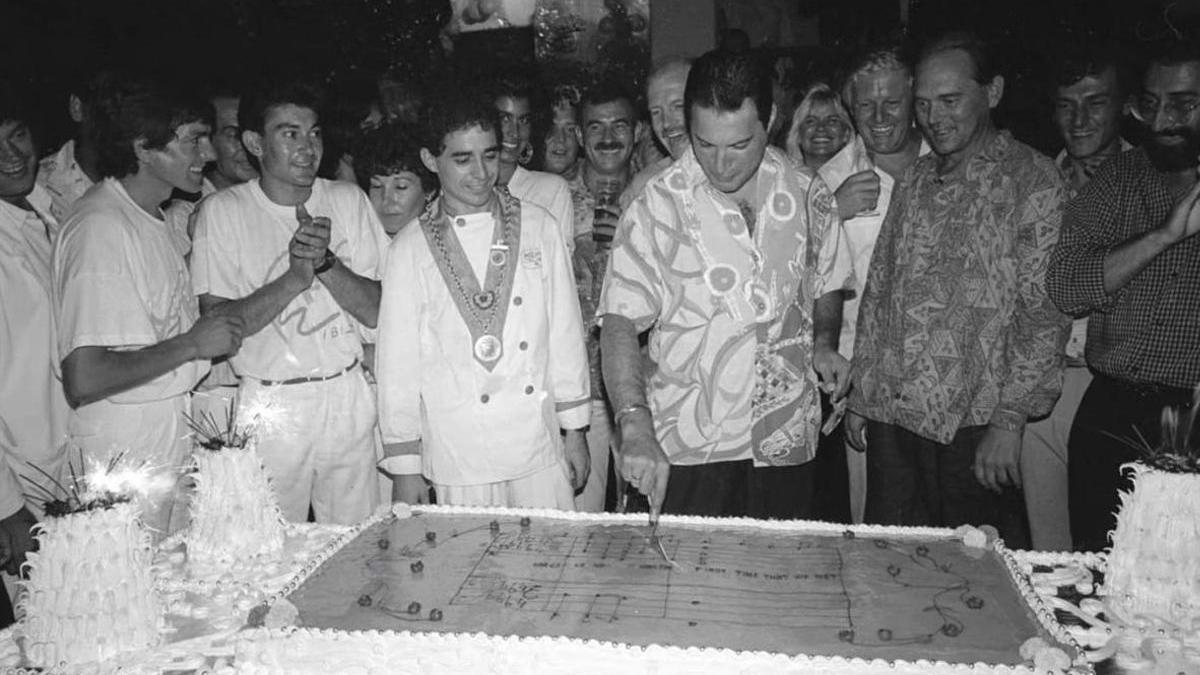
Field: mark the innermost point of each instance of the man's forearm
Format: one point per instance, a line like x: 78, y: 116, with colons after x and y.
x: 1125, y: 261
x: 260, y: 307
x: 621, y: 362
x: 357, y: 295
x: 91, y: 374
x: 827, y: 320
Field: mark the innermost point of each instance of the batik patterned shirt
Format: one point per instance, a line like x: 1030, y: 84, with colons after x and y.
x: 589, y: 262
x: 955, y: 321
x: 729, y: 310
x: 63, y: 178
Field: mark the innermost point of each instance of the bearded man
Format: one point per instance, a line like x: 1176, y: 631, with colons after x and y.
x: 1129, y: 258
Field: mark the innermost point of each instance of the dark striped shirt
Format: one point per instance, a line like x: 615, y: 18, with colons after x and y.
x: 1149, y: 331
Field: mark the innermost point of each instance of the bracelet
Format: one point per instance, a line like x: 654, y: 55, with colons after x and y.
x: 629, y: 410
x: 1008, y: 420
x: 326, y: 262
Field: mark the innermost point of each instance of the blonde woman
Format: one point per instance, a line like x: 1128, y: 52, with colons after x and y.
x: 820, y: 127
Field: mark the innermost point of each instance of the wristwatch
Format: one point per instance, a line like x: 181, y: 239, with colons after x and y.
x: 326, y: 262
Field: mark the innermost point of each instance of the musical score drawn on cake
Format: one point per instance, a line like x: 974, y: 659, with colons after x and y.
x: 603, y: 575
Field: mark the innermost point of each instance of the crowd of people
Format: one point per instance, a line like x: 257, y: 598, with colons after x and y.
x: 488, y: 292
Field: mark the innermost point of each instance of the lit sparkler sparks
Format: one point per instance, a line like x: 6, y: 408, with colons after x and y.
x: 122, y: 477
x: 98, y: 484
x: 261, y: 412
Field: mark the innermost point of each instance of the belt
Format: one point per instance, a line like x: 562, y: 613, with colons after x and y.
x: 1145, y: 390
x: 305, y: 380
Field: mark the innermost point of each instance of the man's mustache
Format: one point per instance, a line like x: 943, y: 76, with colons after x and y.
x: 610, y: 146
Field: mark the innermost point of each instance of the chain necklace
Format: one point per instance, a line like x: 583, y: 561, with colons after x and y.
x: 479, y: 300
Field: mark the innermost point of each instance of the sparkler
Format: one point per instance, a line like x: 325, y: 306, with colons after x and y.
x: 95, y: 484
x: 262, y: 412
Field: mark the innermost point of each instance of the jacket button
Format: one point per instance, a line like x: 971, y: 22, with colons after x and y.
x: 461, y: 222
x: 517, y: 301
x: 524, y: 345
x: 529, y: 389
x: 485, y: 398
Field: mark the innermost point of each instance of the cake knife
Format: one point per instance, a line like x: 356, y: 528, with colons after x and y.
x: 656, y: 541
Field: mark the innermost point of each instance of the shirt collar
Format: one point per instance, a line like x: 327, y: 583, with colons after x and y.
x: 989, y: 155
x: 39, y: 199
x: 773, y: 163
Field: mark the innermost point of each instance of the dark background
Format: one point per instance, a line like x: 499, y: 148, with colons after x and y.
x: 51, y: 44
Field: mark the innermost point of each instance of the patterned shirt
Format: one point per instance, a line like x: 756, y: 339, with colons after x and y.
x: 730, y: 311
x: 590, y: 262
x: 64, y: 179
x: 1149, y: 330
x: 954, y: 321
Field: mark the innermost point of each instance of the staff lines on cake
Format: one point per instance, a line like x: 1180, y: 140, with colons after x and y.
x: 679, y: 602
x: 623, y: 546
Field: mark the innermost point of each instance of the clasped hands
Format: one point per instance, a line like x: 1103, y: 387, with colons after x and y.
x: 307, y: 248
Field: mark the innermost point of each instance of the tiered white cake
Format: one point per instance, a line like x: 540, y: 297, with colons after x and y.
x: 1153, y: 578
x: 90, y: 593
x: 235, y: 516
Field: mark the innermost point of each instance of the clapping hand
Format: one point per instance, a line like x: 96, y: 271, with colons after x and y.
x: 309, y: 243
x: 1184, y: 220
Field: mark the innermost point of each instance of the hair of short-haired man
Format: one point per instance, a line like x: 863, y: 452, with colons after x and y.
x: 818, y: 92
x: 662, y: 65
x: 977, y: 50
x: 722, y: 81
x: 1093, y: 60
x: 456, y: 108
x: 258, y: 99
x: 1175, y: 52
x: 390, y: 149
x: 608, y: 90
x: 144, y: 110
x: 888, y: 57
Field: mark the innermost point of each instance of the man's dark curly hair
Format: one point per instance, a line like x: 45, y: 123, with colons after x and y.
x: 455, y: 107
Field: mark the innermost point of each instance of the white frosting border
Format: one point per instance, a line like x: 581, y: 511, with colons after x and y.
x: 657, y: 658
x: 1041, y: 611
x: 341, y: 534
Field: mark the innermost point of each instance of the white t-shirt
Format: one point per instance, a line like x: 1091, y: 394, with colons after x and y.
x: 33, y: 410
x: 241, y: 244
x: 120, y: 281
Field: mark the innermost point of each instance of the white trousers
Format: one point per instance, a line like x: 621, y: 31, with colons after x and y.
x: 153, y: 433
x: 321, y: 447
x: 549, y: 488
x: 1044, y: 466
